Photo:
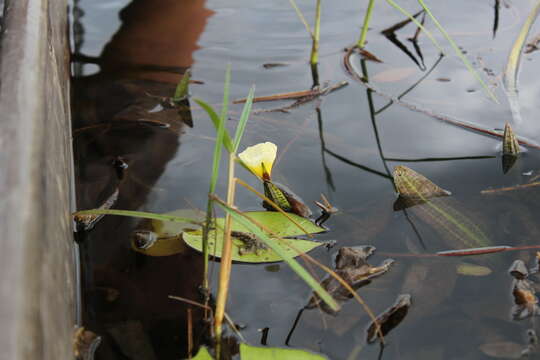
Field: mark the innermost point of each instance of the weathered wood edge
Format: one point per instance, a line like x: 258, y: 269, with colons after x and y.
x: 37, y: 282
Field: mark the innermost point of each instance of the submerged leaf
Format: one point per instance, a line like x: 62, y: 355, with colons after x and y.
x: 248, y: 352
x: 247, y: 248
x: 473, y: 270
x: 502, y: 350
x: 393, y: 75
x: 390, y: 318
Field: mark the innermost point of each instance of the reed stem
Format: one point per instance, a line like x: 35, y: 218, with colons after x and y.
x: 226, y: 258
x: 367, y: 18
x: 314, y: 59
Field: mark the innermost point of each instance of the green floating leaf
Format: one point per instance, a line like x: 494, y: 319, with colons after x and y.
x: 203, y: 354
x: 246, y: 248
x: 248, y: 352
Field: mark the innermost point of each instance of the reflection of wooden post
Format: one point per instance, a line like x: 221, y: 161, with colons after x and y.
x: 160, y: 33
x: 37, y: 285
x: 146, y: 56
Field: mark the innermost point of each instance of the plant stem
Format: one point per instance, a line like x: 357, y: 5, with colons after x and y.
x: 226, y: 258
x: 316, y: 35
x: 367, y: 17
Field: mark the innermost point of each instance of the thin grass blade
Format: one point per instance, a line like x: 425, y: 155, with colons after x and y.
x: 138, y: 214
x: 243, y: 120
x: 301, y: 17
x: 227, y: 141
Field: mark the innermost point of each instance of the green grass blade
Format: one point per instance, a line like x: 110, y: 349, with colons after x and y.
x: 458, y: 52
x: 138, y: 214
x: 182, y: 87
x: 227, y: 142
x: 367, y: 18
x: 297, y: 268
x: 314, y: 58
x: 301, y: 17
x: 510, y: 77
x: 417, y: 23
x: 243, y: 120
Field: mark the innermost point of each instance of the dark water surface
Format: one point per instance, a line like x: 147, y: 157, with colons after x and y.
x: 125, y: 294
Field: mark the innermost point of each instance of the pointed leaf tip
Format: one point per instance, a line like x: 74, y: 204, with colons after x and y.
x: 510, y: 142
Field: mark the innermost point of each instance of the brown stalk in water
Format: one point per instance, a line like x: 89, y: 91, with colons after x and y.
x: 226, y: 257
x: 294, y: 95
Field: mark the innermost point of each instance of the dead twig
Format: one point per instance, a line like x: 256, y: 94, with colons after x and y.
x: 509, y: 188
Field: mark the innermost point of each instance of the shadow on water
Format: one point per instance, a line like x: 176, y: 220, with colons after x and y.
x: 123, y: 140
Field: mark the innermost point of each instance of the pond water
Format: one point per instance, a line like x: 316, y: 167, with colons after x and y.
x: 336, y: 146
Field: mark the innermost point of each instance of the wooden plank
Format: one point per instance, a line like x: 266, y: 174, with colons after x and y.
x: 37, y: 281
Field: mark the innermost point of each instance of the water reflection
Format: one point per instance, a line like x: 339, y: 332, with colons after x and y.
x: 124, y: 139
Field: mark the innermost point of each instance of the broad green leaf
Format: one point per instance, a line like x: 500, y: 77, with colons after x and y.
x: 248, y: 352
x: 203, y: 354
x: 249, y: 250
x: 273, y: 244
x: 245, y: 252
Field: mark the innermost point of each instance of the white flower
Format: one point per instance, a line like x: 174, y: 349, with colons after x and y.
x: 259, y: 159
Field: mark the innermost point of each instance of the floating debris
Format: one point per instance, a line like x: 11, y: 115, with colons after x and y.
x: 525, y: 300
x: 518, y: 270
x: 474, y: 251
x: 302, y: 97
x: 352, y: 266
x: 274, y: 65
x: 390, y: 318
x: 327, y: 210
x: 87, y: 222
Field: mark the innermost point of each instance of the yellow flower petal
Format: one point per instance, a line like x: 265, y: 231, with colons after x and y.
x: 257, y: 156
